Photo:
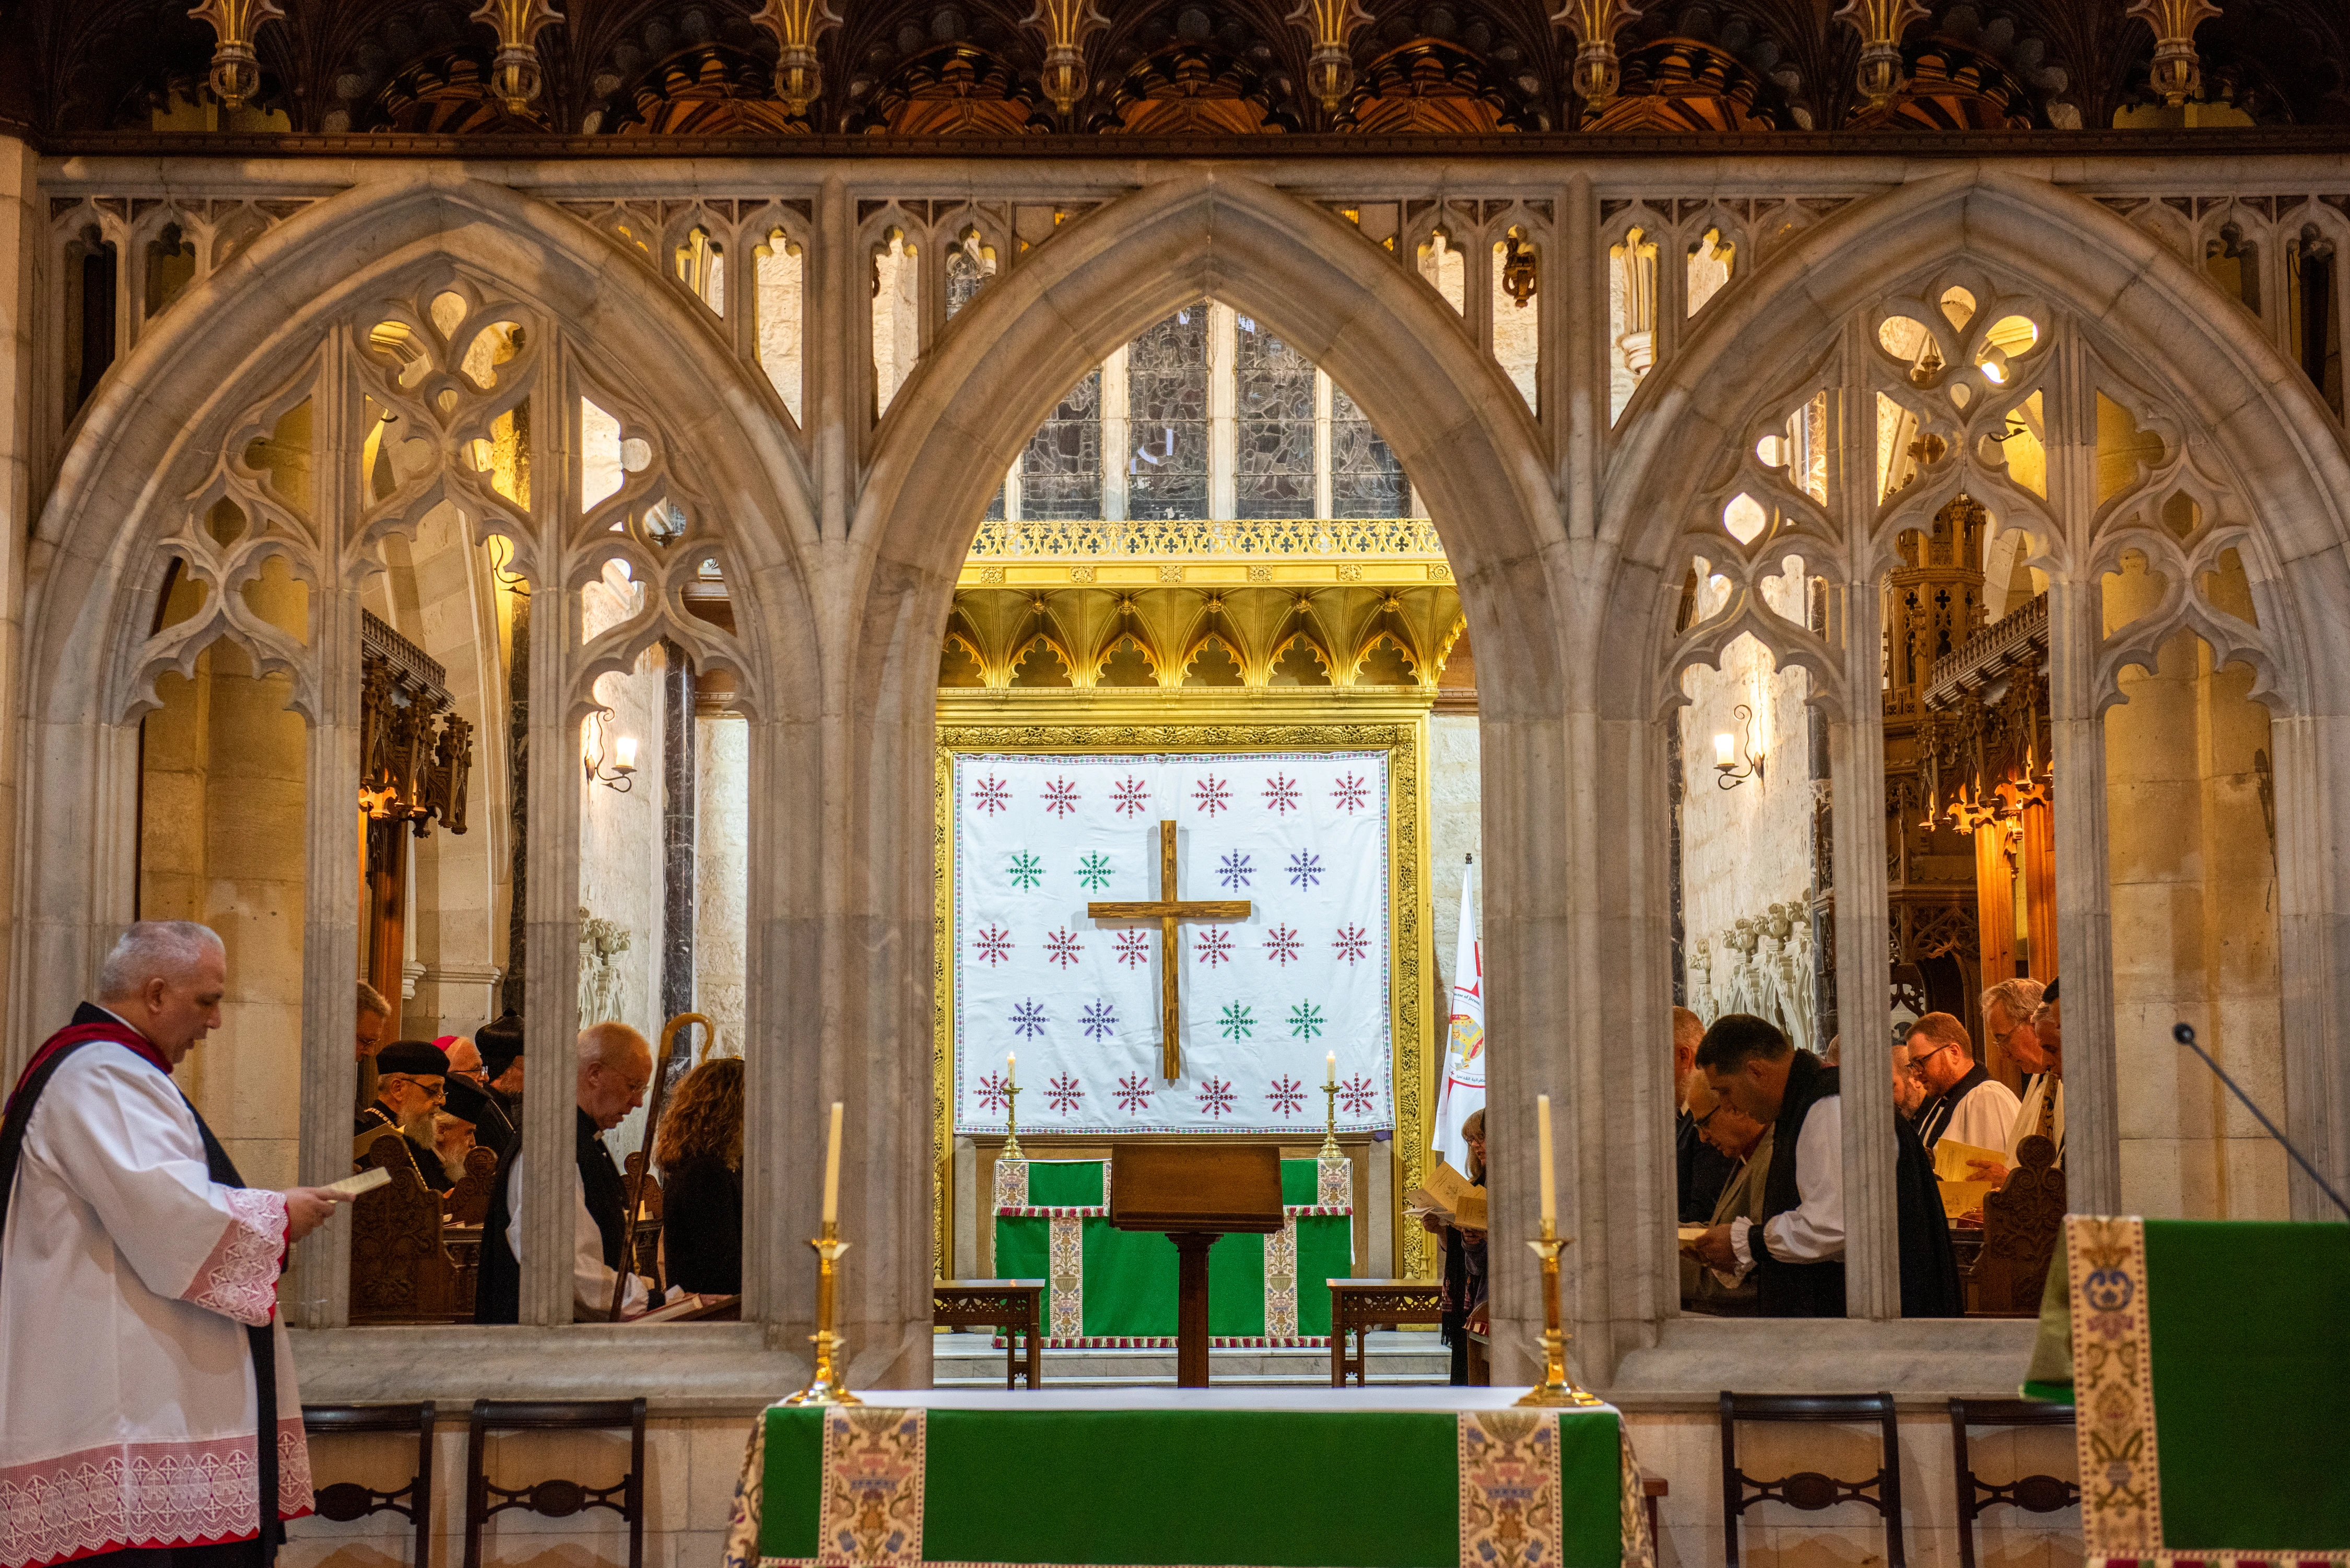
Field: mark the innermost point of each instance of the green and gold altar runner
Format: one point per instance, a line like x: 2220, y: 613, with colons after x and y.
x: 2207, y: 1372
x: 1112, y: 1289
x: 1435, y: 1477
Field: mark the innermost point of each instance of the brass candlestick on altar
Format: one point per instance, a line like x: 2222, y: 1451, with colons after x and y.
x: 1330, y: 1150
x: 827, y: 1388
x: 1012, y: 1150
x: 1556, y: 1387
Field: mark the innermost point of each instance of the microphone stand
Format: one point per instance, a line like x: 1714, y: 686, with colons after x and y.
x: 2185, y: 1035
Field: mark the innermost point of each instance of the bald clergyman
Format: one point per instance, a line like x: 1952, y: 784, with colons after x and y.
x: 614, y: 1063
x: 148, y: 1411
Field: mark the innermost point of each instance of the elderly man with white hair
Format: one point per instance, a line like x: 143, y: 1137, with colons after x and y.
x: 148, y: 1411
x: 615, y: 1065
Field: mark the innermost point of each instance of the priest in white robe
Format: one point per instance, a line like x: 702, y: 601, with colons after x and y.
x: 138, y: 1330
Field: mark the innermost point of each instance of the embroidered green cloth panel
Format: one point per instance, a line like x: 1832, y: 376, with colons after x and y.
x: 2248, y: 1378
x: 1123, y: 1287
x: 1286, y: 1490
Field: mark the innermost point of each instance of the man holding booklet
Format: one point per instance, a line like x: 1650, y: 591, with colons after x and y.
x: 139, y: 1336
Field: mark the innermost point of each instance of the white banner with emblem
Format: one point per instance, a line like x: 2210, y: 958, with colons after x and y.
x: 1301, y: 835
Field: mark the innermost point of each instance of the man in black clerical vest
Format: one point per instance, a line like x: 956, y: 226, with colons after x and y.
x: 1796, y: 1251
x: 615, y: 1065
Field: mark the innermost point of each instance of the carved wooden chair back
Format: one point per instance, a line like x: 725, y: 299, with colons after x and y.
x: 346, y: 1500
x: 401, y: 1271
x: 469, y: 1200
x: 1811, y: 1490
x: 555, y: 1498
x: 2021, y: 1221
x: 2032, y: 1493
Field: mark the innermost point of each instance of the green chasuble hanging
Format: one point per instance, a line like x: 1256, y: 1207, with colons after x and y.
x: 1117, y: 1289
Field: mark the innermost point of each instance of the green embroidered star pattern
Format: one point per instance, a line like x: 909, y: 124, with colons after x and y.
x: 1306, y: 1020
x: 1027, y: 870
x: 1094, y: 871
x: 1238, y: 1024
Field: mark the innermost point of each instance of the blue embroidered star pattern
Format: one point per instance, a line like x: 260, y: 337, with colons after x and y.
x: 1305, y: 868
x: 1235, y: 871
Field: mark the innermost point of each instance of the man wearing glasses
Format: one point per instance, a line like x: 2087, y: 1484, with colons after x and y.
x: 408, y: 1092
x: 1968, y: 1102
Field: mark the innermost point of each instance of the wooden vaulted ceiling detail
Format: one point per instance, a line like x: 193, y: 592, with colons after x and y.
x: 1167, y: 69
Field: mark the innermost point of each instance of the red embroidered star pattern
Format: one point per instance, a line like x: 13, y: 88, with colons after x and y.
x: 992, y: 795
x: 1064, y: 1094
x: 1216, y: 1098
x: 1213, y: 947
x: 1134, y: 947
x: 1133, y: 1094
x: 1287, y: 1096
x: 994, y: 943
x: 1061, y: 797
x: 1281, y: 794
x: 1354, y: 1093
x: 1351, y: 792
x: 1131, y: 796
x: 1281, y: 945
x: 1064, y: 948
x: 992, y: 1096
x: 1352, y: 944
x: 1211, y: 795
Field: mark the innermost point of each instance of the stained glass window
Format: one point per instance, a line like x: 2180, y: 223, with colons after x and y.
x: 1167, y: 402
x: 1061, y: 476
x: 1365, y: 480
x: 1276, y: 473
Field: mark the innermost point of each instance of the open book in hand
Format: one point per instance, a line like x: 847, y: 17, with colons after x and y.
x: 1451, y: 1197
x: 683, y: 1308
x: 1963, y: 1189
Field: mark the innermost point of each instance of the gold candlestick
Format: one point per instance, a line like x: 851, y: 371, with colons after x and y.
x: 1330, y: 1150
x: 826, y: 1387
x: 1557, y: 1388
x: 1012, y: 1150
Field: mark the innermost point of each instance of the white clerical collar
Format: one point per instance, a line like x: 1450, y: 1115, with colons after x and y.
x: 120, y: 1019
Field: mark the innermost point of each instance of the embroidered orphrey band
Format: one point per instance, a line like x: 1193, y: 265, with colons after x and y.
x: 2112, y: 1388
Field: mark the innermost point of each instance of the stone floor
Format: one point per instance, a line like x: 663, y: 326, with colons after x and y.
x: 974, y: 1361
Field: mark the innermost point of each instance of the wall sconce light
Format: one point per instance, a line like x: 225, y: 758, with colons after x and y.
x: 1726, y: 748
x: 621, y: 776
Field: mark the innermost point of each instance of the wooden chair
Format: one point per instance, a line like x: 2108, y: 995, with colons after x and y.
x: 346, y: 1500
x: 469, y: 1200
x: 1014, y: 1308
x: 2033, y: 1493
x: 1810, y: 1490
x: 1357, y: 1306
x: 400, y: 1272
x: 555, y: 1498
x: 2021, y: 1221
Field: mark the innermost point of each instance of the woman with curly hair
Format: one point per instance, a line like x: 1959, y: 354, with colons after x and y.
x: 699, y: 1152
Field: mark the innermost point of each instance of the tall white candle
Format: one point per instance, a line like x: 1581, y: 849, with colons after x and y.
x: 1330, y: 1066
x: 832, y: 1168
x: 1549, y: 1196
x: 1011, y: 1065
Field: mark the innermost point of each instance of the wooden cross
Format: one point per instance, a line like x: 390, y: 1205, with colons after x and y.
x: 1167, y: 910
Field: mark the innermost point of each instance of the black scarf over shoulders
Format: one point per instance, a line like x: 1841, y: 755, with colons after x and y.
x: 498, y: 1292
x: 1929, y: 1269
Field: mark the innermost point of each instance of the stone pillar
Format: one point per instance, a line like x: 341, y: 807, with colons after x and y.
x: 551, y: 989
x: 1864, y: 935
x: 21, y: 225
x: 678, y: 832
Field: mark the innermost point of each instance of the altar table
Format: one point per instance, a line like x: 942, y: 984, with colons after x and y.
x: 1112, y: 1289
x: 1406, y: 1477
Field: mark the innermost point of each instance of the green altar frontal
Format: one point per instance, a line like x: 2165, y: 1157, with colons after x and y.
x: 1189, y: 1479
x: 1112, y: 1289
x: 2208, y: 1369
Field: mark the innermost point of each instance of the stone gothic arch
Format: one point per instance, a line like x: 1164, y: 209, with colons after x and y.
x: 2252, y: 442
x: 150, y: 443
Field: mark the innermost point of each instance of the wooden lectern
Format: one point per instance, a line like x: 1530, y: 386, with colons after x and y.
x: 1195, y: 1192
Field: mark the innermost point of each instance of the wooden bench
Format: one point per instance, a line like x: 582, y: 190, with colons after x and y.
x: 1357, y: 1306
x: 1015, y: 1308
